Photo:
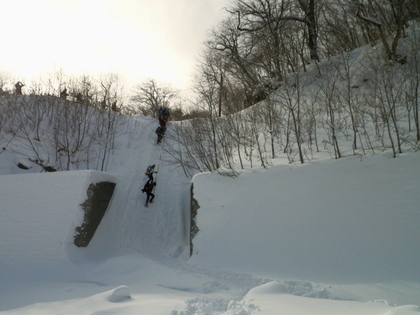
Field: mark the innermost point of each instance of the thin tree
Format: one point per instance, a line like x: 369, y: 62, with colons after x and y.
x: 151, y: 94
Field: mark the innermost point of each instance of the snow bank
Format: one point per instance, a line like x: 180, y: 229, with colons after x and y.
x: 39, y: 215
x: 269, y: 299
x: 346, y: 221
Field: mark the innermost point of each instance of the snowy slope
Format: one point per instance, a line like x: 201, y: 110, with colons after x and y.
x: 255, y: 252
x: 159, y: 229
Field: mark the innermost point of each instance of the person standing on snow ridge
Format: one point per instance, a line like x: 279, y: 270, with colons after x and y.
x: 79, y: 98
x: 64, y: 94
x: 148, y: 188
x: 114, y: 107
x: 18, y: 87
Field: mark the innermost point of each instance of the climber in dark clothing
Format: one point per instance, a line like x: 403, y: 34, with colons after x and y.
x: 162, y: 122
x: 160, y: 131
x: 148, y: 188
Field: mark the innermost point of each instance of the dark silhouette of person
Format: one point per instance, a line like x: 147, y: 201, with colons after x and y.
x: 64, y: 94
x: 148, y: 189
x: 160, y: 131
x: 162, y: 122
x: 79, y: 98
x: 18, y: 87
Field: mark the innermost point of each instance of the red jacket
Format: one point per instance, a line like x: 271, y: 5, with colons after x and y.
x: 149, y: 187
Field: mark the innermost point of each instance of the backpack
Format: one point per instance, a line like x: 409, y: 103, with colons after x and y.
x: 149, y: 187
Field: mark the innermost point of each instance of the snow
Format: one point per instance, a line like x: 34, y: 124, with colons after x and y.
x: 325, y: 237
x: 326, y: 221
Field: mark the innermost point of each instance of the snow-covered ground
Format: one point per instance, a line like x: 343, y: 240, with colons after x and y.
x: 326, y: 237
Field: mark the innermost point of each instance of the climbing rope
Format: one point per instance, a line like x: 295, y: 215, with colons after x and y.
x: 158, y: 163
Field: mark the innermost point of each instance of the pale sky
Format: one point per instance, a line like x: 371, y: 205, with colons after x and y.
x: 136, y: 38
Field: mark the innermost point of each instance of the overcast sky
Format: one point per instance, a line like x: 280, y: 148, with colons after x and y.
x: 136, y: 38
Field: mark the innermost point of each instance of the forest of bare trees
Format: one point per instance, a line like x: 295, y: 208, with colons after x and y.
x: 297, y: 60
x: 71, y: 131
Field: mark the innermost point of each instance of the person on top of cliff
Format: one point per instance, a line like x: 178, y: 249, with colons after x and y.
x: 18, y: 87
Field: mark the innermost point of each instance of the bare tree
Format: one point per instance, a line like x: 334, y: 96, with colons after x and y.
x: 254, y: 15
x: 84, y: 89
x: 208, y: 91
x: 291, y: 98
x: 73, y: 133
x: 388, y: 17
x: 226, y: 42
x: 212, y: 70
x: 5, y: 79
x: 412, y: 95
x: 28, y: 124
x: 331, y: 102
x: 389, y: 90
x: 151, y: 94
x: 348, y: 91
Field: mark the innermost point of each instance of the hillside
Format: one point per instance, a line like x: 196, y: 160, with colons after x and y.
x: 279, y: 232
